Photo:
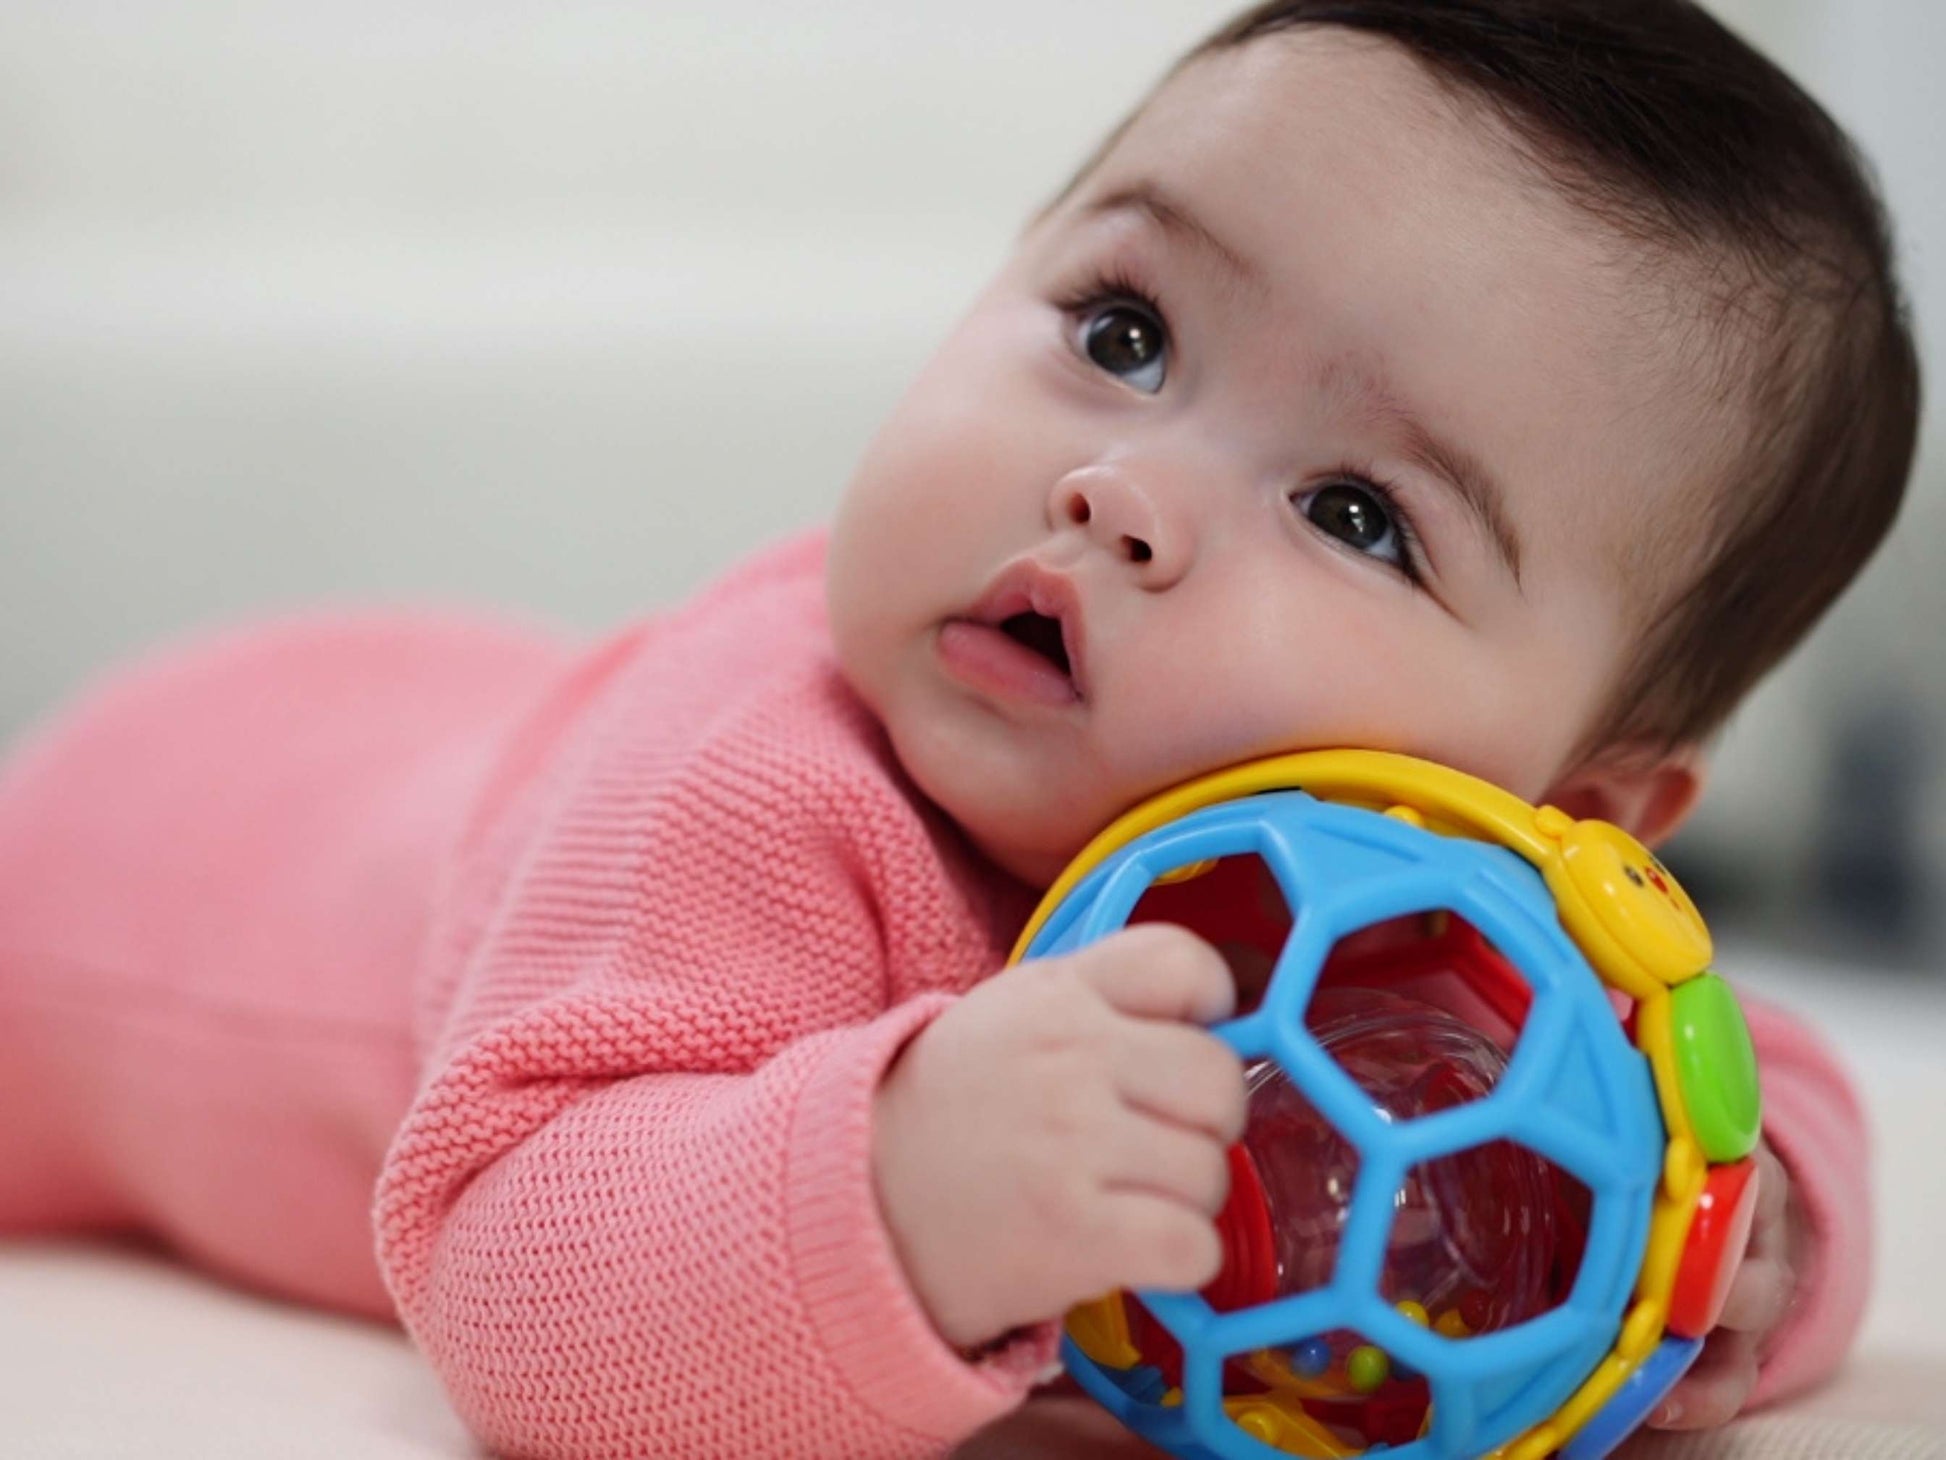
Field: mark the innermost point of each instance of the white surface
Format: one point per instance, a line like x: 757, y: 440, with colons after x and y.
x: 105, y: 1354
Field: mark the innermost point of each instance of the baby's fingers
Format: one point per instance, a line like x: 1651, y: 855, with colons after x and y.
x: 1185, y: 1075
x: 1159, y: 1243
x: 1158, y: 971
x: 1767, y: 1231
x: 1716, y: 1389
x: 1759, y: 1296
x: 1166, y: 1160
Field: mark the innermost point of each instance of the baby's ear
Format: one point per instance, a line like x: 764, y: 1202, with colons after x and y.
x: 1646, y: 793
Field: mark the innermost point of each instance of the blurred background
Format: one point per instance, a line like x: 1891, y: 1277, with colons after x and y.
x: 562, y: 306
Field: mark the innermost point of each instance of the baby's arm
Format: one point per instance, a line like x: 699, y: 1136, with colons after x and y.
x: 669, y: 1264
x: 631, y: 1211
x: 1816, y: 1125
x: 606, y: 1263
x: 1795, y: 1306
x: 672, y: 1264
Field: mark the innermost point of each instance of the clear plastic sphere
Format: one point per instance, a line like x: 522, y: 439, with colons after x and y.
x: 1476, y: 1234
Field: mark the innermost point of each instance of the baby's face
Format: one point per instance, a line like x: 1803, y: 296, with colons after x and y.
x: 1311, y: 418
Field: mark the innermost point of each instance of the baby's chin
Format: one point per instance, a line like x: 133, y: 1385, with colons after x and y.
x: 1008, y: 812
x: 1028, y: 835
x: 1011, y: 836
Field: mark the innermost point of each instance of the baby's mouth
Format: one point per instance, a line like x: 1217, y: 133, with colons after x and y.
x: 1023, y: 639
x: 1038, y: 632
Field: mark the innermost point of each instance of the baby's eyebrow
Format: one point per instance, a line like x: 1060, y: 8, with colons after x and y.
x: 1350, y: 377
x: 1151, y: 201
x: 1479, y: 491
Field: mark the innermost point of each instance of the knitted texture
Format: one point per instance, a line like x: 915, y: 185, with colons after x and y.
x: 632, y: 1211
x: 590, y: 959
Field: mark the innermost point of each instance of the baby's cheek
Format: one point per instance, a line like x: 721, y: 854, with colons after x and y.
x: 1251, y: 687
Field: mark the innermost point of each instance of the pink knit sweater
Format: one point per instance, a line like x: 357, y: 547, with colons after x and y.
x: 591, y: 962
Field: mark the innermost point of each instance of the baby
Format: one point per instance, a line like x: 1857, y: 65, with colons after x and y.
x: 1505, y: 383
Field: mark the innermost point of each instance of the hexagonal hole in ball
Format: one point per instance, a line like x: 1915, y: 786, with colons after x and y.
x: 1422, y: 1013
x: 1235, y: 904
x: 1328, y: 1393
x: 1485, y: 1238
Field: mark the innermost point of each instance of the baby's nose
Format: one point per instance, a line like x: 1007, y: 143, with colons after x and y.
x: 1119, y: 513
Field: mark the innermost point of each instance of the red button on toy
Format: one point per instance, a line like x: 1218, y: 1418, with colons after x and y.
x: 1717, y: 1237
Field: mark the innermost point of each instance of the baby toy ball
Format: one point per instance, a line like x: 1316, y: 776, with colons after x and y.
x: 1458, y: 1210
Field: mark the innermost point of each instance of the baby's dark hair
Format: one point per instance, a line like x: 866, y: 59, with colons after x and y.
x: 1658, y: 121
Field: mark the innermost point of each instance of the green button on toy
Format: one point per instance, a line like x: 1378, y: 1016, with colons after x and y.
x: 1716, y: 1066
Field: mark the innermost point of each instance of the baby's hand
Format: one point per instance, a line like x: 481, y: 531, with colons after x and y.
x: 1725, y: 1373
x: 1061, y: 1132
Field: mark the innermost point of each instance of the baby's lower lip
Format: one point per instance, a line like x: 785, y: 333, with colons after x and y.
x: 981, y: 656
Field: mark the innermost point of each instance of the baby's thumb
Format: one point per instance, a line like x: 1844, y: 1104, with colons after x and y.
x: 1159, y: 971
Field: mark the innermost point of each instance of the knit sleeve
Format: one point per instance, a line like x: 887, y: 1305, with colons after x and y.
x: 672, y: 1264
x: 631, y: 1211
x: 1814, y: 1122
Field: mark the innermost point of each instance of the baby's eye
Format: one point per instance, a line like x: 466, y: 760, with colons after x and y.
x: 1129, y: 343
x: 1357, y: 514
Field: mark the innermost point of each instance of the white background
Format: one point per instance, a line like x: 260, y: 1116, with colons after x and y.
x: 562, y: 306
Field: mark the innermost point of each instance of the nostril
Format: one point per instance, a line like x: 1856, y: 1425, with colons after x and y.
x: 1138, y: 551
x: 1078, y: 510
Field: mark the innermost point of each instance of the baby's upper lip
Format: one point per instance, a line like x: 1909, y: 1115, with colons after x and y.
x: 1025, y: 586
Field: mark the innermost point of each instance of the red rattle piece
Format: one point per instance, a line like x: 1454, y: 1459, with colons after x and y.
x: 1717, y: 1237
x: 1249, y: 1273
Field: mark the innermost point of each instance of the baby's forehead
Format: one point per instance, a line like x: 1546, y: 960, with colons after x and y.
x: 1276, y: 147
x: 1338, y: 87
x: 1364, y: 217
